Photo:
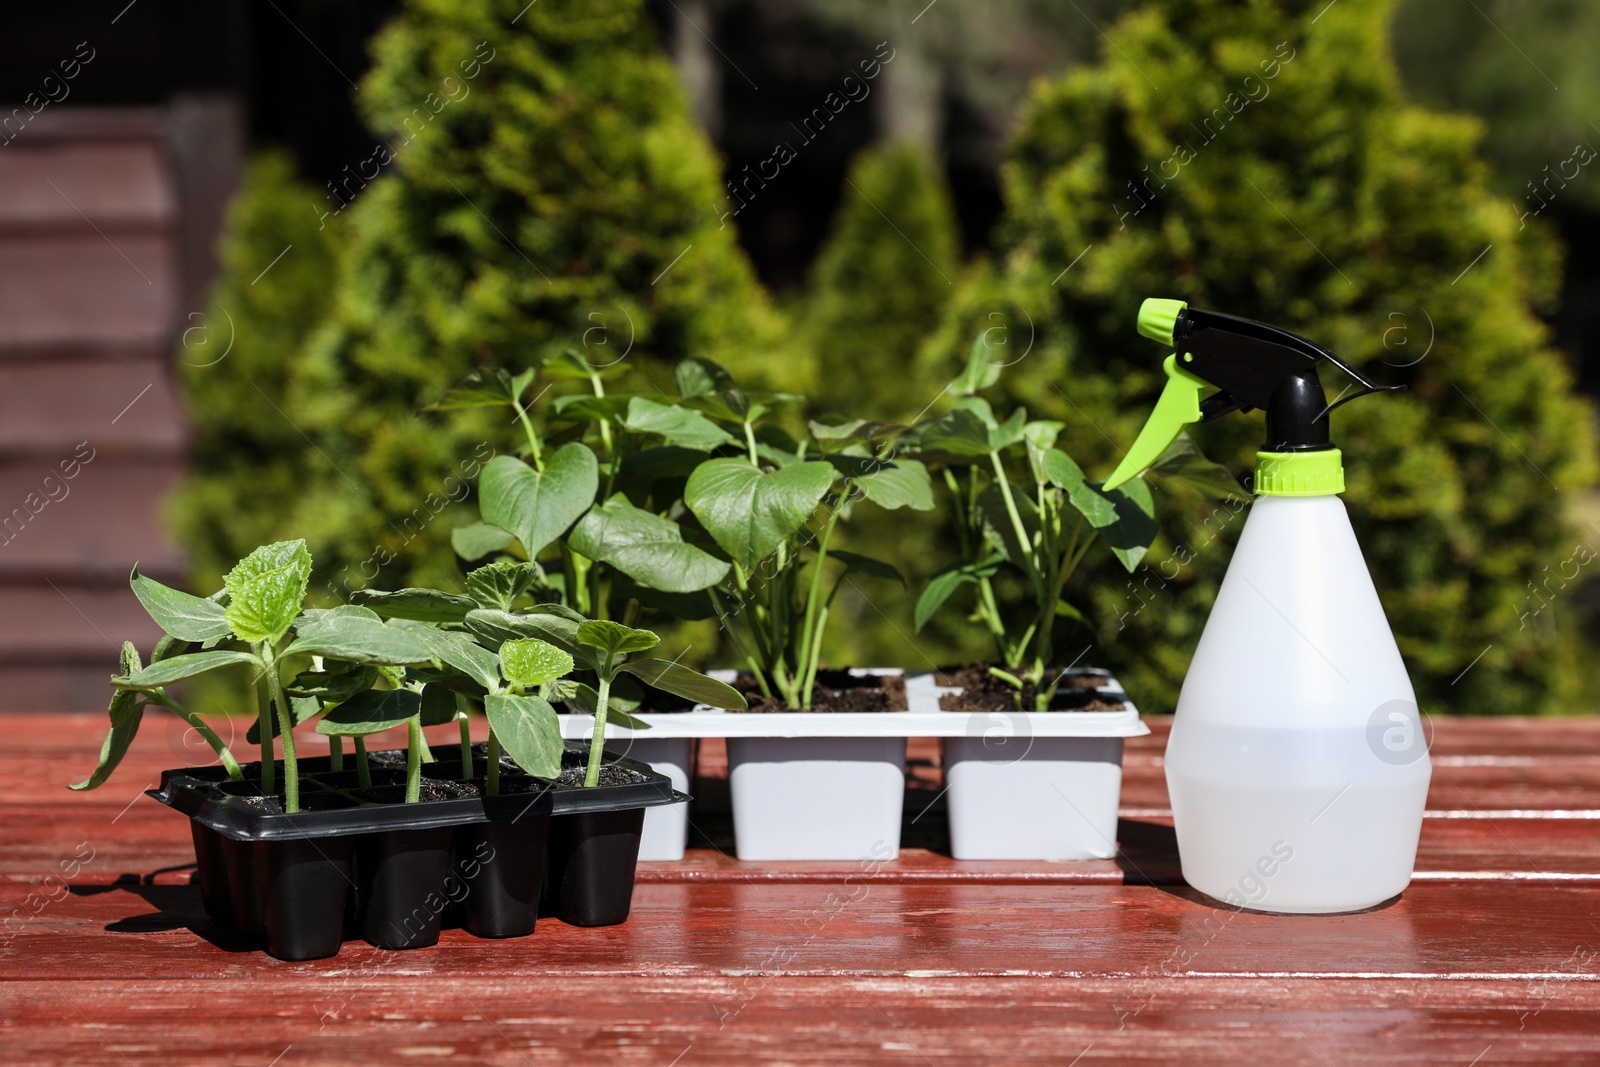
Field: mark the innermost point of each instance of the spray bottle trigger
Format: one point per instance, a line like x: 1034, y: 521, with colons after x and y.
x: 1178, y: 406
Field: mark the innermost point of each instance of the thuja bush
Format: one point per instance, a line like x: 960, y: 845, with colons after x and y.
x: 881, y: 283
x: 1260, y: 159
x: 235, y: 362
x: 877, y: 293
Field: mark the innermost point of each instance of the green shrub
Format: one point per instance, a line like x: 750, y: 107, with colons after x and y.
x: 877, y: 292
x: 1277, y: 173
x: 881, y: 284
x: 247, y: 460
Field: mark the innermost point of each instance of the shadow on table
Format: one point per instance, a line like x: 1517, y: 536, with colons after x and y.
x: 1147, y: 853
x: 177, y: 907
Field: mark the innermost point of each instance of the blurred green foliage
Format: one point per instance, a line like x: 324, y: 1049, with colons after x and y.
x: 1527, y: 69
x: 886, y: 273
x: 1290, y: 182
x: 236, y: 365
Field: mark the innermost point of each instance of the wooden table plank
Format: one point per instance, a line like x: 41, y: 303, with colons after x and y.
x: 1490, y: 956
x: 686, y: 1021
x: 1524, y: 931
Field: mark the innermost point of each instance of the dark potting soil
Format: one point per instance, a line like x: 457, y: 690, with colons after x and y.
x: 570, y: 778
x: 982, y: 691
x: 430, y: 789
x: 836, y: 690
x: 265, y: 805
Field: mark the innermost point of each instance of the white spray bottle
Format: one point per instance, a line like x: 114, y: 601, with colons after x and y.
x: 1297, y: 765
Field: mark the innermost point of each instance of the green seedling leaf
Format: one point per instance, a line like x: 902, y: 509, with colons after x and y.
x: 459, y: 652
x: 982, y: 369
x: 335, y: 686
x: 558, y: 610
x: 1009, y: 432
x: 266, y: 589
x: 421, y: 605
x: 358, y: 640
x: 1184, y: 464
x: 1067, y: 611
x: 698, y: 377
x: 1062, y: 472
x: 485, y: 389
x: 689, y: 684
x: 751, y: 512
x: 854, y: 464
x: 304, y: 709
x: 874, y: 568
x: 901, y: 484
x: 498, y: 585
x: 665, y: 461
x: 946, y: 582
x: 730, y: 405
x: 180, y: 614
x: 680, y: 426
x: 479, y: 539
x: 1130, y: 536
x: 371, y: 712
x: 450, y: 679
x: 539, y: 506
x: 583, y: 408
x: 178, y: 668
x: 126, y: 710
x: 168, y: 647
x: 832, y: 434
x: 571, y: 692
x: 343, y: 611
x: 622, y: 718
x: 1040, y: 437
x: 571, y: 364
x: 438, y: 704
x: 958, y: 432
x: 529, y: 661
x: 613, y: 638
x: 494, y: 628
x: 646, y: 547
x: 529, y: 730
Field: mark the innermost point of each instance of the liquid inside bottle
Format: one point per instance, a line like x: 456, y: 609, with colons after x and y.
x: 1297, y: 764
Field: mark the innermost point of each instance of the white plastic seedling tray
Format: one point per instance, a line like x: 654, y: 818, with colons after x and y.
x: 1008, y: 773
x: 924, y: 719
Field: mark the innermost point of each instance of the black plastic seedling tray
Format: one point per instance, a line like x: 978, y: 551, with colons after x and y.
x: 358, y: 862
x: 333, y: 807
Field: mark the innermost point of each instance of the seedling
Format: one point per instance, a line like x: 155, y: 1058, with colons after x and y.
x: 602, y: 648
x: 547, y: 505
x: 1021, y: 503
x: 761, y: 508
x: 260, y: 608
x: 478, y: 648
x: 127, y: 710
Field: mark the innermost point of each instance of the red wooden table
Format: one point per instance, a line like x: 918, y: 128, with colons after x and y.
x: 1490, y: 957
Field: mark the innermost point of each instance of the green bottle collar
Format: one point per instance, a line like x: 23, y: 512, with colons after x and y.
x: 1299, y: 473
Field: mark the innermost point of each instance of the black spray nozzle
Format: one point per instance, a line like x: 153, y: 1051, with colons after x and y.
x: 1254, y: 365
x: 1261, y: 366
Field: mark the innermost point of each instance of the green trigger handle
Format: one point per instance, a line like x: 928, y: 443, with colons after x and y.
x: 1178, y: 406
